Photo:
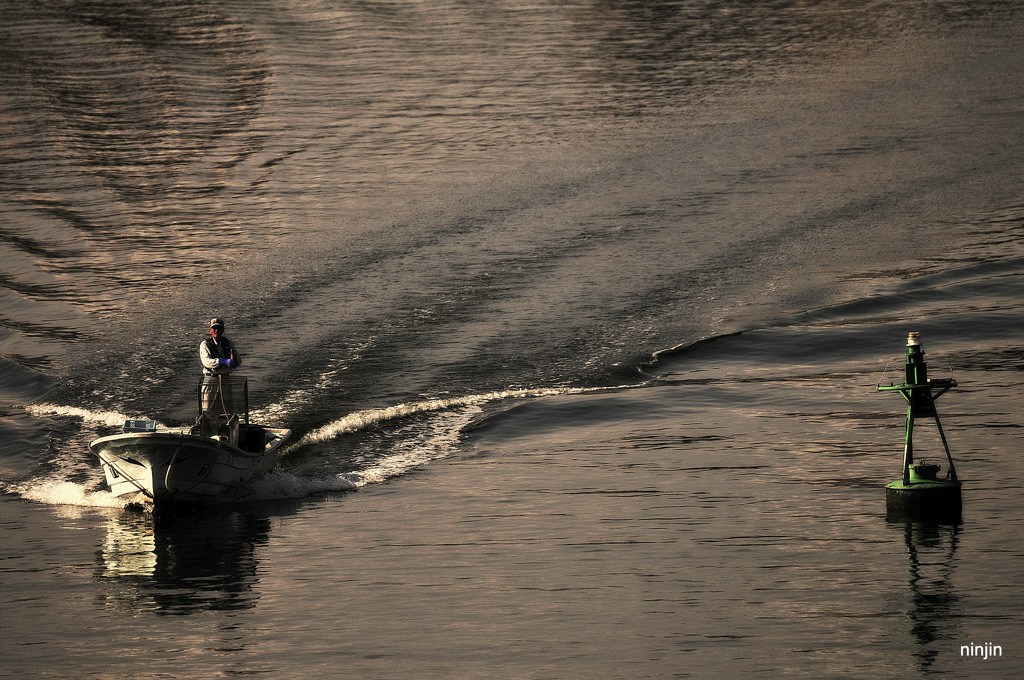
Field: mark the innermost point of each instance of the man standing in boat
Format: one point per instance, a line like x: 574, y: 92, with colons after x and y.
x: 219, y: 358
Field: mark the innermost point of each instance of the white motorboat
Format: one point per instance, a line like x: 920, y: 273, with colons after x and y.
x: 219, y: 453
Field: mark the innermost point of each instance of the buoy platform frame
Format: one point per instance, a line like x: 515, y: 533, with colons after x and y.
x: 921, y: 493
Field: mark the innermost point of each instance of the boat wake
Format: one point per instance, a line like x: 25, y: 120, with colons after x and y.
x: 55, y: 491
x: 362, y: 419
x: 111, y: 418
x: 411, y: 446
x: 276, y: 485
x: 418, y: 443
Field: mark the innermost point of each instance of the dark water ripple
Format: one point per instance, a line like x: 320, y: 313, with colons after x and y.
x: 110, y: 107
x: 130, y: 126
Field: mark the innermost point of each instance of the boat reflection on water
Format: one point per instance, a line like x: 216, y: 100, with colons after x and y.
x: 181, y: 564
x: 934, y: 606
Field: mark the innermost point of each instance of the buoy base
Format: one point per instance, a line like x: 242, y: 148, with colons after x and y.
x: 932, y: 500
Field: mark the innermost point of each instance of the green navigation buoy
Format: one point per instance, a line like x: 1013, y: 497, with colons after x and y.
x: 921, y: 493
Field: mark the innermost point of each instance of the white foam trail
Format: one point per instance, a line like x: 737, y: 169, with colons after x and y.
x: 62, y: 492
x: 362, y: 419
x: 98, y: 417
x: 438, y: 440
x: 275, y: 485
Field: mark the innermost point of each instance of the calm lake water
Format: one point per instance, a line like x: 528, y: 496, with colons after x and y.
x: 576, y: 310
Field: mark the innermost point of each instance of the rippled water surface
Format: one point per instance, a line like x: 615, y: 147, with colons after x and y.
x: 576, y: 310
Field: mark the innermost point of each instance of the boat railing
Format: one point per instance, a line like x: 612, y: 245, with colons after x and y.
x: 224, y: 395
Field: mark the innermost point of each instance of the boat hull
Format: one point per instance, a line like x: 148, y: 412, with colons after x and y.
x: 175, y: 466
